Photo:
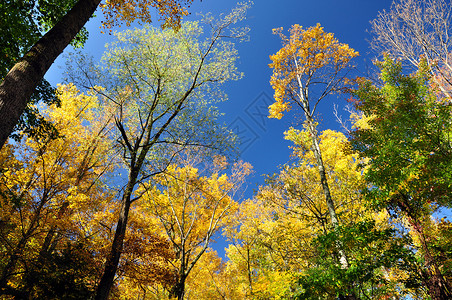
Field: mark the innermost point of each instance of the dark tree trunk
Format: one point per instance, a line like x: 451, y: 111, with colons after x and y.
x: 178, y: 289
x: 22, y: 80
x: 112, y: 262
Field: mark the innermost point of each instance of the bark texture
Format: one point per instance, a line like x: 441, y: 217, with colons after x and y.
x: 22, y: 80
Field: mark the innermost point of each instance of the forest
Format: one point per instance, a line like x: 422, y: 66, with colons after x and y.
x: 124, y: 182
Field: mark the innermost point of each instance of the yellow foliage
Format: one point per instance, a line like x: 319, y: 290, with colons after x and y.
x: 275, y: 285
x: 344, y: 177
x: 305, y: 53
x: 187, y: 205
x: 361, y: 121
x: 170, y: 11
x: 57, y: 182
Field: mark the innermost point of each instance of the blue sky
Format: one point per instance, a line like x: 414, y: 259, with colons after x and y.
x: 263, y: 144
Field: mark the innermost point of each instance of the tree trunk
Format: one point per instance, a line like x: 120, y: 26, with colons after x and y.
x: 343, y: 260
x: 112, y: 262
x: 326, y: 189
x: 322, y: 174
x: 178, y: 289
x: 22, y: 80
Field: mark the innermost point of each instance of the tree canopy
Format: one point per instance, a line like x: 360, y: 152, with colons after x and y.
x: 125, y: 182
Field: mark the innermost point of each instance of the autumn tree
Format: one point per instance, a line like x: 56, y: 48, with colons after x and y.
x: 191, y: 202
x: 311, y: 66
x: 209, y: 279
x: 48, y: 190
x: 159, y: 88
x: 413, y: 30
x: 245, y: 252
x: 370, y: 243
x: 299, y: 212
x: 405, y: 133
x: 28, y: 72
x: 144, y: 269
x: 263, y: 252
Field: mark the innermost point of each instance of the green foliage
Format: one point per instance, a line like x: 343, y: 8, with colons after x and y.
x: 372, y: 252
x: 405, y: 134
x: 24, y: 22
x: 408, y: 138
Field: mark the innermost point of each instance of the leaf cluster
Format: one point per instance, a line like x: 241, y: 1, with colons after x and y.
x: 170, y: 11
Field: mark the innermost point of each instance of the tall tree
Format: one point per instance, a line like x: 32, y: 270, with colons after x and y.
x: 160, y: 87
x: 311, y: 66
x: 405, y: 134
x: 21, y: 81
x: 413, y: 30
x: 245, y: 253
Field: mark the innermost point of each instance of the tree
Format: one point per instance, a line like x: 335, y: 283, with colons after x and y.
x: 311, y: 65
x: 49, y: 189
x: 300, y: 213
x: 405, y: 134
x: 23, y: 78
x: 209, y: 279
x: 23, y: 24
x: 191, y: 202
x: 145, y: 261
x: 298, y: 185
x: 414, y: 30
x: 372, y: 245
x: 159, y: 90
